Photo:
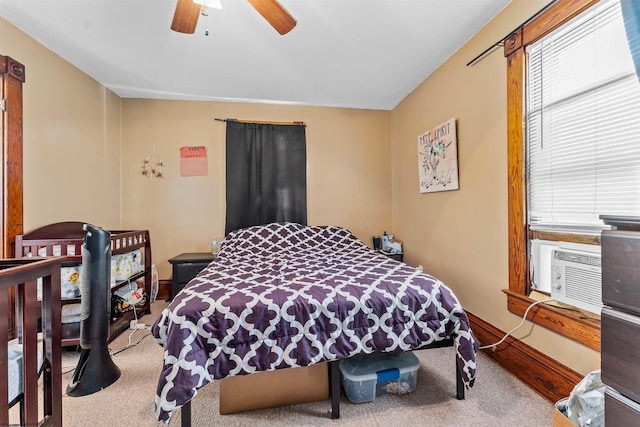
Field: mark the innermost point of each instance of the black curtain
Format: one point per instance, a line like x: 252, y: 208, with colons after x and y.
x: 266, y: 174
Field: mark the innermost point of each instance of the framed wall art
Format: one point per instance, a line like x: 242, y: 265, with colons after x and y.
x: 438, y: 158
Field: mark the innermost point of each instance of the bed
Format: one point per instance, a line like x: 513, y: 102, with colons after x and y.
x: 286, y: 295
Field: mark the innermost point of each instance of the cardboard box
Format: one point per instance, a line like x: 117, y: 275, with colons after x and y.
x: 274, y: 388
x: 559, y: 417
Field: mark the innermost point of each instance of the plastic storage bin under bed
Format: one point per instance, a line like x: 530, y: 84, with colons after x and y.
x: 366, y: 376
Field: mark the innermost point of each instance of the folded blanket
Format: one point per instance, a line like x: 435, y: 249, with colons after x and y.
x: 16, y: 380
x: 71, y: 313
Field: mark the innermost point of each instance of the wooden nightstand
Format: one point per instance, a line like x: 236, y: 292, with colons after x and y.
x: 186, y: 266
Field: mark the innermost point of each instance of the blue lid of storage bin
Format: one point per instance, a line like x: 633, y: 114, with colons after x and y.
x: 363, y: 367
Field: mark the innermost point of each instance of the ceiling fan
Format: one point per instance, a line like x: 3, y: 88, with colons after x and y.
x: 186, y: 15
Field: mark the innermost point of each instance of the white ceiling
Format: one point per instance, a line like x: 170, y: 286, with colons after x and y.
x: 342, y: 53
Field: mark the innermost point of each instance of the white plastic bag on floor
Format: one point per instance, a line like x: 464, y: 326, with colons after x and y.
x: 586, y: 402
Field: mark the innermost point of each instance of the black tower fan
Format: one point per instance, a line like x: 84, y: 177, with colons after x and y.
x: 95, y: 369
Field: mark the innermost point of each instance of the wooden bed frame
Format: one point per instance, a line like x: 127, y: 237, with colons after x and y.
x: 20, y: 276
x: 334, y: 386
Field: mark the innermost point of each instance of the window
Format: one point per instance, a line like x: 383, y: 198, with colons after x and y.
x: 582, y: 124
x: 574, y: 114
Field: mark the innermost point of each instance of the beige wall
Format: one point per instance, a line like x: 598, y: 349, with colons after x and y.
x: 461, y: 236
x: 71, y: 139
x: 84, y: 148
x: 348, y: 170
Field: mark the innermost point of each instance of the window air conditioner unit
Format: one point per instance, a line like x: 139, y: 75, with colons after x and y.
x: 576, y: 278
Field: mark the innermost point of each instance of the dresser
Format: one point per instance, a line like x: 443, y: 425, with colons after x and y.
x: 620, y: 327
x: 186, y: 266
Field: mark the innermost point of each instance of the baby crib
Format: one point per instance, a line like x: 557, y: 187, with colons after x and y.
x: 19, y: 373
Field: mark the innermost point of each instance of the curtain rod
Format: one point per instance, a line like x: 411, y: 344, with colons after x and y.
x: 500, y: 42
x: 261, y: 123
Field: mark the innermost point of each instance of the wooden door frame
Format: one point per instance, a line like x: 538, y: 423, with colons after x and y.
x: 12, y: 77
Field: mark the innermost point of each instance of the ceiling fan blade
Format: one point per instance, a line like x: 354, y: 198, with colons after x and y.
x: 275, y: 14
x: 185, y: 17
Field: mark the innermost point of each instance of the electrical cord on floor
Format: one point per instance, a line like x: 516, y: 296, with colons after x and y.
x: 129, y: 344
x: 67, y: 369
x: 135, y: 327
x: 524, y: 317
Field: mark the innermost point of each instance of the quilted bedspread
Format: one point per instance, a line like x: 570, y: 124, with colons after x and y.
x: 286, y: 295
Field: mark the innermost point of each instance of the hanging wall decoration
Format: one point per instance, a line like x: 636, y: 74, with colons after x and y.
x: 193, y: 161
x: 438, y: 158
x: 152, y: 165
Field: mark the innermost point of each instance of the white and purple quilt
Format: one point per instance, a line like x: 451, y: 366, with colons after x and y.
x: 287, y: 295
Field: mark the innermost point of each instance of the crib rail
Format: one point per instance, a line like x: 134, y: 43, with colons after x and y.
x: 19, y: 276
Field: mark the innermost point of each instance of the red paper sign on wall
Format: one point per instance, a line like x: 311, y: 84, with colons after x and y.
x: 193, y: 161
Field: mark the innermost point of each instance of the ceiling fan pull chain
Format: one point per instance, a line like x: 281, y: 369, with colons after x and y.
x: 185, y: 17
x: 204, y: 13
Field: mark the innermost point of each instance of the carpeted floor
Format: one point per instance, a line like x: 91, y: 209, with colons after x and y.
x: 497, y: 398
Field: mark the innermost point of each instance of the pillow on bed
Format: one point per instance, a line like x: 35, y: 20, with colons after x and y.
x: 276, y: 238
x: 268, y: 236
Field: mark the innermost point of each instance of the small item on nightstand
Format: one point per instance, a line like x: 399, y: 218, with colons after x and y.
x: 394, y: 247
x: 385, y: 241
x: 377, y: 243
x: 215, y: 246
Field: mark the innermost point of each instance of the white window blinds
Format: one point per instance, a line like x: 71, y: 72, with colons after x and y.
x: 583, y: 123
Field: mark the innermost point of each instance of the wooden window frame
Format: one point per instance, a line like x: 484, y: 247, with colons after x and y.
x: 570, y: 324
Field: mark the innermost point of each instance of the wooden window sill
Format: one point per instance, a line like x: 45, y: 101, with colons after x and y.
x: 569, y: 323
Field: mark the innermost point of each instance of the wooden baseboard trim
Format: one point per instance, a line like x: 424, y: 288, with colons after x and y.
x: 547, y: 376
x: 164, y: 289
